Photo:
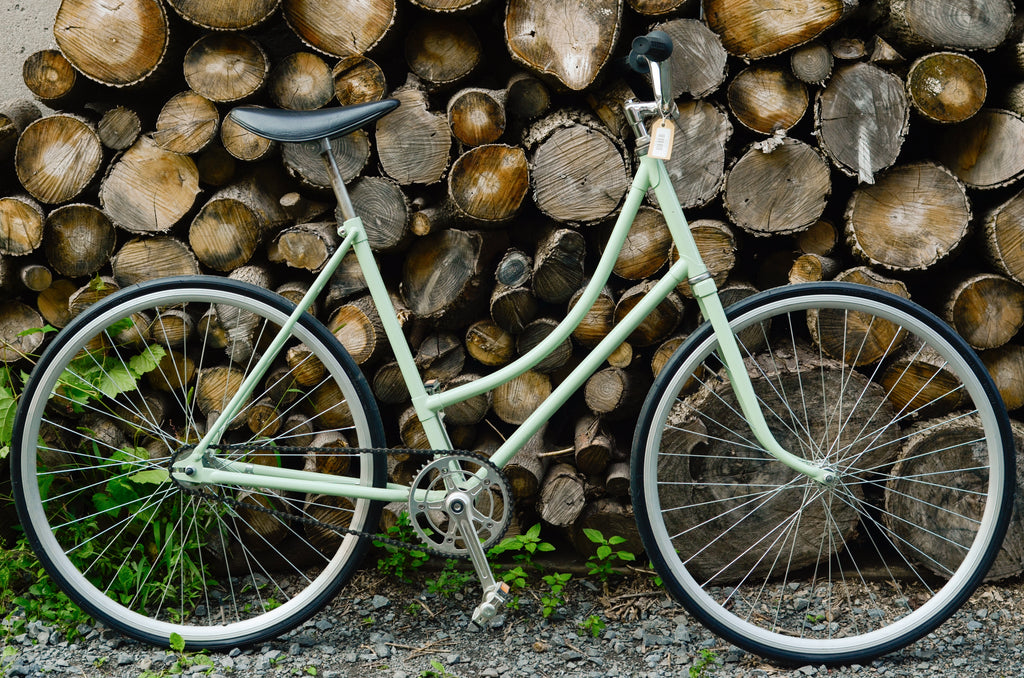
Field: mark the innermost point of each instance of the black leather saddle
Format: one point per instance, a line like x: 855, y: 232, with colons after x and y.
x: 299, y: 126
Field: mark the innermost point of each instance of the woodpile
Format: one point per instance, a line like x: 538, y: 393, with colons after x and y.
x: 874, y: 141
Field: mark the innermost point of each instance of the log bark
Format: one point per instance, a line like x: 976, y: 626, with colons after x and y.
x: 561, y: 497
x: 301, y: 81
x: 569, y: 41
x: 1003, y: 237
x: 79, y: 240
x: 915, y: 216
x: 597, y: 322
x: 536, y: 332
x: 983, y: 151
x: 812, y: 268
x: 187, y: 124
x: 358, y: 80
x: 512, y: 308
x: 615, y: 393
x: 527, y: 468
x: 413, y: 143
x: 861, y: 119
x: 148, y: 190
x: 661, y: 321
x: 147, y: 259
x: 558, y: 265
x: 592, y: 444
x: 226, y: 67
x: 357, y: 326
x: 21, y: 225
x: 753, y: 30
x: 986, y: 309
x: 57, y: 157
x: 579, y: 173
x: 779, y: 192
x: 946, y: 87
x: 767, y: 99
x: 338, y: 27
x: 118, y: 45
x: 53, y: 302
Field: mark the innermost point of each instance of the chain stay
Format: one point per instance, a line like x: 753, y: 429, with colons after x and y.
x: 308, y: 520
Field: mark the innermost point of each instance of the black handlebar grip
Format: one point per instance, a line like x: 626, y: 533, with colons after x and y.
x: 656, y: 46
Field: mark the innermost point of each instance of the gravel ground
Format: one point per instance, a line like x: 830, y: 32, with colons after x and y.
x: 380, y: 629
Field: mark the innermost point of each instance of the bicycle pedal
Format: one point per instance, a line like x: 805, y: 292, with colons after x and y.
x: 494, y: 600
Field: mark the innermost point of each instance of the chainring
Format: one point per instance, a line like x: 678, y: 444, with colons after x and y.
x: 490, y: 509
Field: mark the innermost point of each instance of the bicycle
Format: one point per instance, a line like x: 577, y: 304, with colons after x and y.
x: 802, y: 485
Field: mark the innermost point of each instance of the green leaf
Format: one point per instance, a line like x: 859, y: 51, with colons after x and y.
x: 626, y: 555
x: 177, y: 642
x: 603, y: 551
x: 593, y: 535
x: 545, y: 546
x: 147, y: 361
x: 153, y: 476
x: 7, y: 408
x: 116, y: 380
x: 616, y: 539
x: 534, y: 531
x: 37, y: 330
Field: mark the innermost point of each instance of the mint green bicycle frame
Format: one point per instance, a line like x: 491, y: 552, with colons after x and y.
x: 202, y: 467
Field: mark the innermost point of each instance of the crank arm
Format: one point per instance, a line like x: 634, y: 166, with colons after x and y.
x: 459, y: 507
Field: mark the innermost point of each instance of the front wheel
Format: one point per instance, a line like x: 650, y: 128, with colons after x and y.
x: 130, y: 383
x: 870, y: 386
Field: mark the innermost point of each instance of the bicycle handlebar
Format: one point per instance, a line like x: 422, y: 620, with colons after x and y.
x: 647, y: 54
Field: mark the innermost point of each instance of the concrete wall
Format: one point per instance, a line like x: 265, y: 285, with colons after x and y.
x: 26, y: 26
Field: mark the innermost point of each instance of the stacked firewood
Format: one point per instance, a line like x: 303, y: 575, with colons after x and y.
x: 878, y: 142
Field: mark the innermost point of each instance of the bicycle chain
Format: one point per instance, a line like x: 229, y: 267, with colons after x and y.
x: 313, y: 522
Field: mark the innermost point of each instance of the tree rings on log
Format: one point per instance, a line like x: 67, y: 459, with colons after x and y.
x: 566, y: 39
x: 226, y: 67
x: 225, y: 15
x: 117, y: 44
x: 753, y: 29
x: 697, y: 165
x: 148, y: 189
x: 946, y: 87
x: 187, y: 123
x: 913, y: 217
x: 985, y: 151
x: 144, y: 259
x: 79, y: 240
x: 301, y: 82
x: 767, y: 99
x: 861, y: 119
x: 950, y: 24
x: 340, y: 27
x: 57, y: 156
x: 488, y: 184
x: 442, y: 50
x: 578, y: 171
x: 21, y: 225
x: 16, y: 339
x: 358, y: 80
x: 778, y: 192
x: 698, y: 60
x: 1003, y: 237
x: 413, y: 143
x: 986, y: 309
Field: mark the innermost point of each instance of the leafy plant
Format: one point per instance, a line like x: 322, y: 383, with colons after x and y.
x: 593, y: 625
x: 449, y: 581
x: 601, y: 563
x: 700, y: 667
x: 522, y: 546
x: 437, y: 670
x: 400, y: 562
x: 556, y: 583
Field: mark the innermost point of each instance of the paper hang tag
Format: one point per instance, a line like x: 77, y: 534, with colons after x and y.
x: 662, y: 133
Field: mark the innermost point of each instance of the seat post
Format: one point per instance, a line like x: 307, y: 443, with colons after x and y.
x: 340, y: 192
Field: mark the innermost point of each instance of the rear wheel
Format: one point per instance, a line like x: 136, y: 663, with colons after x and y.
x: 864, y: 383
x: 127, y: 385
